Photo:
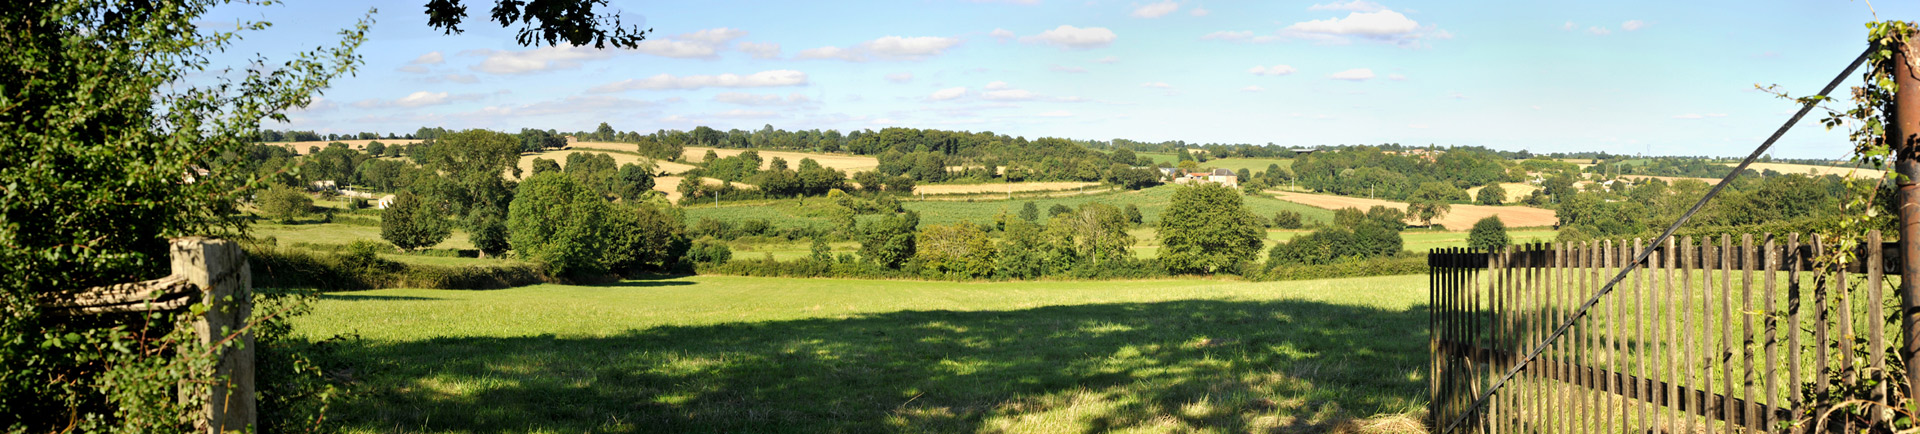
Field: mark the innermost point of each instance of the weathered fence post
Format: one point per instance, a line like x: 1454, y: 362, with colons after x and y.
x: 1905, y: 122
x: 219, y: 268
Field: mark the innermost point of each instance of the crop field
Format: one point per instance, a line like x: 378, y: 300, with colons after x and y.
x: 1254, y: 165
x: 741, y: 354
x: 815, y: 211
x: 1516, y: 191
x: 358, y: 145
x: 847, y: 162
x: 1001, y: 187
x: 1861, y: 173
x: 671, y: 184
x: 1461, y: 218
x: 619, y: 159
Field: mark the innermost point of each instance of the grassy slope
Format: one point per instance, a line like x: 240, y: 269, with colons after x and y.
x: 732, y: 354
x: 1151, y: 202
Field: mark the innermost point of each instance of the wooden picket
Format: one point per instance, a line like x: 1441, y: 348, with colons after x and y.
x: 1654, y: 355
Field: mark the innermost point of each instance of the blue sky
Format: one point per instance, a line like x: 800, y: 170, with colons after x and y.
x: 1650, y: 77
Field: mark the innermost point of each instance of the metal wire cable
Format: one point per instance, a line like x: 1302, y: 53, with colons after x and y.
x: 1481, y: 401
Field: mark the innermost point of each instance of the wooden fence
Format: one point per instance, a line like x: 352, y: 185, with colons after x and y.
x: 209, y: 271
x: 1707, y: 336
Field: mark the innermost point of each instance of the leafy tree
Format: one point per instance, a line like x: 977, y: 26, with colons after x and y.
x: 283, y: 203
x: 1388, y: 217
x: 960, y: 249
x: 709, y: 250
x: 1206, y: 228
x: 889, y: 241
x: 645, y: 237
x: 542, y: 165
x: 1019, y: 255
x: 1286, y: 219
x: 1492, y: 194
x: 558, y: 222
x: 1123, y: 156
x: 632, y: 182
x: 689, y: 189
x: 1057, y: 210
x: 820, y: 251
x: 1243, y: 175
x: 1488, y: 235
x: 1432, y: 201
x: 1096, y: 232
x: 1030, y: 212
x: 1133, y: 214
x: 487, y: 229
x: 376, y: 148
x: 412, y: 223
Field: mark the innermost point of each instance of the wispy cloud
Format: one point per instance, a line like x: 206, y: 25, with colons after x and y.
x: 774, y: 78
x: 1156, y: 10
x: 885, y: 48
x: 1271, y: 70
x: 1075, y: 38
x: 1356, y: 74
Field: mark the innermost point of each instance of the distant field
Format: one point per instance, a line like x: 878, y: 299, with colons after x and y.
x: 1151, y: 201
x: 671, y: 185
x: 334, y: 233
x: 1802, y: 169
x: 1461, y: 218
x: 742, y: 354
x: 360, y: 145
x: 847, y: 162
x: 1254, y: 165
x: 1000, y: 187
x: 1516, y: 191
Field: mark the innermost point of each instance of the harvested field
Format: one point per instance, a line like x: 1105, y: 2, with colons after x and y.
x: 1669, y: 179
x: 358, y: 145
x: 1861, y: 173
x: 846, y: 162
x: 668, y: 184
x: 526, y: 160
x: 1012, y: 187
x: 1516, y: 191
x: 1461, y: 218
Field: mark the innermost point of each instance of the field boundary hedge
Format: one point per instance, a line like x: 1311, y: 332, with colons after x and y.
x: 277, y: 267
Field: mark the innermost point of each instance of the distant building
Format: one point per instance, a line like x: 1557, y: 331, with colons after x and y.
x: 1224, y: 177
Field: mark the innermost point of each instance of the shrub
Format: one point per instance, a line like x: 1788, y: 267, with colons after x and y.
x: 1492, y: 194
x: 709, y: 251
x: 1286, y: 220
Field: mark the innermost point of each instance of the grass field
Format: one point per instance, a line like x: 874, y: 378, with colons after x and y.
x: 733, y: 354
x: 1254, y: 165
x: 999, y: 187
x: 847, y: 162
x: 1151, y: 201
x: 1461, y: 218
x: 1817, y: 170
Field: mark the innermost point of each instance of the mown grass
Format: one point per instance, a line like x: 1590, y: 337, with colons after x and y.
x: 734, y: 354
x: 815, y: 211
x: 1254, y: 165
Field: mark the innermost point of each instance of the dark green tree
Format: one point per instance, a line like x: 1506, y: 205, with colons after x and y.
x: 1030, y: 212
x: 487, y: 230
x: 558, y: 222
x: 1488, y: 234
x: 1133, y: 214
x: 542, y: 165
x: 1492, y: 194
x: 282, y: 203
x: 889, y: 240
x: 632, y: 182
x: 412, y: 223
x: 1206, y: 229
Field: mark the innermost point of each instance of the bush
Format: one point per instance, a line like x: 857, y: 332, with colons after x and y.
x: 709, y: 251
x: 411, y: 223
x: 1388, y: 266
x: 1286, y: 220
x: 1492, y: 194
x: 360, y: 268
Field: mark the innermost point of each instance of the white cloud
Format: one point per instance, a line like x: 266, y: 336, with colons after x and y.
x: 754, y: 99
x: 1396, y: 77
x: 1157, y: 85
x: 774, y: 78
x: 1003, y: 35
x: 1108, y: 59
x: 885, y: 48
x: 1009, y: 95
x: 703, y: 44
x: 1382, y: 26
x: 1067, y: 69
x: 1597, y: 30
x: 1253, y: 89
x: 1632, y: 25
x: 759, y: 50
x: 1356, y: 74
x: 948, y: 93
x: 535, y: 60
x: 998, y: 85
x: 1353, y: 5
x: 1070, y: 37
x: 431, y: 58
x: 1156, y: 10
x: 900, y: 77
x: 1055, y: 114
x: 1271, y: 70
x: 456, y: 78
x: 417, y: 99
x: 1199, y: 11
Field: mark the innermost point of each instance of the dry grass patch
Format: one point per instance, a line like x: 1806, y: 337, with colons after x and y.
x: 358, y: 145
x: 669, y: 184
x: 1816, y: 170
x: 849, y: 163
x: 1516, y: 191
x: 1011, y: 187
x: 1461, y: 218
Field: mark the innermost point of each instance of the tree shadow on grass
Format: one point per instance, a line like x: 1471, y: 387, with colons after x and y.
x: 1225, y: 365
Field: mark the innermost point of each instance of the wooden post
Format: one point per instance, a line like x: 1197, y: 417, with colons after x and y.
x: 219, y: 268
x: 1902, y: 126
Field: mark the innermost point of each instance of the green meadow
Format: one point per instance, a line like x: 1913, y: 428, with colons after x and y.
x: 737, y: 354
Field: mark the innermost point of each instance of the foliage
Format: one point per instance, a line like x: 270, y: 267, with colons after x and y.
x: 709, y: 251
x: 1030, y: 212
x: 283, y: 203
x: 277, y: 267
x: 889, y: 240
x: 542, y: 165
x: 1492, y: 194
x: 1432, y: 201
x: 1369, y: 239
x: 1206, y: 228
x: 645, y: 238
x: 1286, y: 220
x: 487, y: 230
x: 551, y: 22
x: 411, y: 223
x: 557, y: 222
x: 1377, y: 266
x: 110, y: 150
x: 1489, y: 234
x: 960, y: 250
x: 1364, y: 170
